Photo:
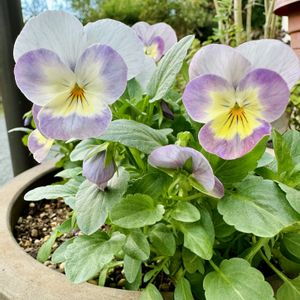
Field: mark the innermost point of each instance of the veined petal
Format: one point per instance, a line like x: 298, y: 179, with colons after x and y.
x: 273, y: 55
x: 174, y: 157
x: 220, y: 60
x: 233, y: 147
x: 270, y: 94
x: 122, y: 39
x: 166, y: 32
x: 39, y: 145
x: 94, y: 169
x: 53, y: 30
x: 207, y: 97
x: 41, y: 76
x: 35, y: 111
x: 143, y: 31
x: 102, y: 71
x: 218, y: 190
x: 64, y: 118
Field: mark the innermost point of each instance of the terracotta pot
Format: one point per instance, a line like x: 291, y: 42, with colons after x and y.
x: 291, y: 8
x: 21, y: 276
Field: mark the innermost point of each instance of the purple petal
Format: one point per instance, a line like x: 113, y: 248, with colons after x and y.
x: 39, y: 145
x: 220, y: 60
x: 41, y: 76
x: 273, y: 55
x: 235, y: 147
x: 174, y: 157
x: 156, y: 48
x: 143, y: 31
x: 272, y: 93
x: 218, y: 190
x: 94, y: 169
x: 76, y: 123
x: 207, y: 96
x: 101, y: 71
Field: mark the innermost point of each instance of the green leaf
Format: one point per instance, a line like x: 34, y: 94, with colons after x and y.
x: 134, y: 90
x: 69, y: 173
x: 290, y: 290
x: 81, y: 151
x: 192, y: 262
x: 58, y: 255
x: 45, y: 251
x: 131, y: 268
x: 290, y: 246
x: 257, y: 206
x: 292, y: 196
x: 93, y: 205
x: 137, y: 246
x: 287, y: 151
x: 236, y: 279
x: 199, y: 236
x: 136, y: 211
x: 87, y: 255
x: 231, y: 171
x: 154, y: 184
x: 51, y: 192
x: 65, y: 227
x: 162, y: 240
x: 136, y: 135
x: 151, y: 293
x: 169, y: 66
x: 185, y: 212
x: 183, y: 290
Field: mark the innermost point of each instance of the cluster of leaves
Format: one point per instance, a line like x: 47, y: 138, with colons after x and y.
x: 153, y: 222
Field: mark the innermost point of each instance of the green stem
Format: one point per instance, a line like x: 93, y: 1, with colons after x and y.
x: 188, y: 198
x: 280, y: 274
x: 159, y: 269
x: 215, y: 267
x: 249, y: 19
x: 256, y: 248
x: 238, y: 20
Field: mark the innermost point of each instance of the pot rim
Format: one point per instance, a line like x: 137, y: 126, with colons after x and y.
x: 21, y: 276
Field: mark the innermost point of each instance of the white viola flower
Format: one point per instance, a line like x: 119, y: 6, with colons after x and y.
x: 157, y: 38
x: 75, y: 72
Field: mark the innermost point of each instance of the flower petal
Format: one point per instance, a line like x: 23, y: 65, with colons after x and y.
x: 35, y: 111
x: 39, y: 145
x: 102, y: 71
x: 208, y: 96
x: 94, y: 169
x: 143, y: 31
x: 231, y: 148
x: 273, y: 55
x: 144, y: 77
x: 53, y: 30
x: 166, y: 32
x: 218, y: 190
x: 41, y: 76
x: 174, y: 156
x: 122, y: 39
x: 77, y: 120
x: 272, y: 93
x: 220, y: 60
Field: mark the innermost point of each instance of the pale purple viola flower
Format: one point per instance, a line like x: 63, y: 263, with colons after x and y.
x: 38, y: 144
x: 73, y: 72
x: 238, y: 92
x: 157, y: 38
x: 95, y: 170
x: 175, y: 157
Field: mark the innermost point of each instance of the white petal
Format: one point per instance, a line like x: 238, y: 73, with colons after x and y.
x: 53, y: 30
x: 273, y: 55
x: 144, y: 77
x: 220, y: 60
x: 122, y: 39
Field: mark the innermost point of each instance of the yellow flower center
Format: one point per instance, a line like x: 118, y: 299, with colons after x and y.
x: 77, y: 93
x: 236, y: 114
x: 151, y: 51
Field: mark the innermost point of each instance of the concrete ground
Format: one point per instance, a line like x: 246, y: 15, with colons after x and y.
x: 5, y: 160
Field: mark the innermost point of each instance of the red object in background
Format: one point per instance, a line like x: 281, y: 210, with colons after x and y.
x: 291, y: 8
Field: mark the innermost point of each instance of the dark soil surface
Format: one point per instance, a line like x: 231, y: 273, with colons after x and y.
x: 35, y: 226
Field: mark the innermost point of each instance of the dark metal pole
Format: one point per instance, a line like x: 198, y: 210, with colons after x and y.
x: 15, y: 104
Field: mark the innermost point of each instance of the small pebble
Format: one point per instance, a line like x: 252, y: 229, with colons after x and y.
x: 92, y: 281
x: 34, y: 233
x: 31, y: 204
x: 121, y: 282
x: 47, y: 263
x: 61, y: 267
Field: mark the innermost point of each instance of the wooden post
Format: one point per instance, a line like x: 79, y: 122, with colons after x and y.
x: 15, y: 104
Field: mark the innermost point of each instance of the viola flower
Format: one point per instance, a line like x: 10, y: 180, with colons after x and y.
x: 38, y: 144
x: 95, y: 170
x: 75, y: 72
x: 238, y: 92
x: 175, y: 157
x: 157, y: 38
